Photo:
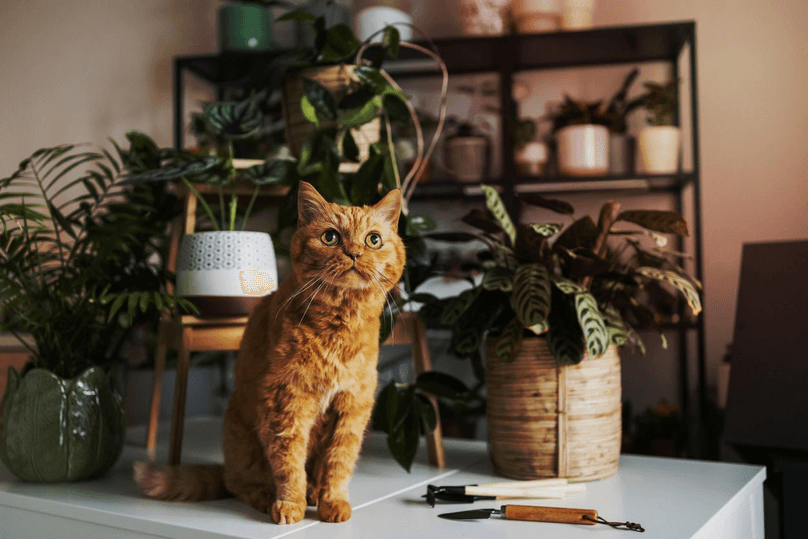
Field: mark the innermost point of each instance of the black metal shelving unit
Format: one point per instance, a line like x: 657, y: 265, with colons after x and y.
x: 505, y: 56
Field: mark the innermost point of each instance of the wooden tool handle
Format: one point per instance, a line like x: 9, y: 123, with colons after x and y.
x: 564, y: 515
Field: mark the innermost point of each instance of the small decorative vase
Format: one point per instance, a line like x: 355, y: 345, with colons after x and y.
x: 54, y: 430
x: 245, y: 27
x: 551, y: 420
x: 370, y: 16
x: 531, y: 16
x: 467, y: 158
x: 226, y: 273
x: 659, y: 149
x: 583, y: 150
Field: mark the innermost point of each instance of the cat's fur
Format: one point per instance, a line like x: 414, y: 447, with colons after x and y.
x: 306, y: 372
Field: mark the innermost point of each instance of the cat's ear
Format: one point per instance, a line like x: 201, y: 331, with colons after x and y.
x: 389, y: 207
x: 311, y: 206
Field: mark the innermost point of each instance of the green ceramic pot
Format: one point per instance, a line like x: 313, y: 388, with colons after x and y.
x: 244, y: 27
x: 54, y: 430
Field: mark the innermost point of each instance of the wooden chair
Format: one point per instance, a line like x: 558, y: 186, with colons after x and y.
x: 188, y: 334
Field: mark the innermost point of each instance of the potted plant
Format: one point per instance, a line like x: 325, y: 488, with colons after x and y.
x: 80, y: 261
x: 226, y: 270
x: 552, y: 307
x: 582, y: 138
x: 659, y: 142
x: 621, y: 145
x: 467, y: 153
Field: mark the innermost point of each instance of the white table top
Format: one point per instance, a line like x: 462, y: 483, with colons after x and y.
x: 671, y: 498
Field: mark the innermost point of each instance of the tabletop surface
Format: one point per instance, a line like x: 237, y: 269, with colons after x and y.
x: 671, y: 498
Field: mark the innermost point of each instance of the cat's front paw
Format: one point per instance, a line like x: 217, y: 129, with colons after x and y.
x: 284, y: 512
x: 334, y: 510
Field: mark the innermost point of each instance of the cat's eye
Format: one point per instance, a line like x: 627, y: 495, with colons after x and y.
x: 373, y: 240
x: 330, y: 237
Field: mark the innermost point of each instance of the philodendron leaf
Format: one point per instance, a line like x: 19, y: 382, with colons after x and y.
x: 656, y: 220
x: 680, y: 283
x: 455, y: 308
x: 391, y: 38
x: 175, y: 172
x: 567, y: 286
x: 595, y: 335
x: 565, y: 343
x: 495, y: 205
x: 362, y: 115
x: 320, y: 98
x: 498, y: 278
x: 234, y: 119
x: 531, y: 294
x: 510, y: 341
x: 281, y: 171
x: 308, y: 110
x: 426, y: 412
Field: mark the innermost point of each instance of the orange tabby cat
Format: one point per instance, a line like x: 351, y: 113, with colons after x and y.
x: 306, y: 371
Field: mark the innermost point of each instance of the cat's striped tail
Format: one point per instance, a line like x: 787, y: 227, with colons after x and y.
x: 185, y: 482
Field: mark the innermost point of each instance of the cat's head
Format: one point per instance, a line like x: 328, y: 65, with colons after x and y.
x: 348, y: 246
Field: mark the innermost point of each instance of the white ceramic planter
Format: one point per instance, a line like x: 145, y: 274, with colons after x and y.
x: 226, y: 273
x: 370, y: 20
x: 583, y: 150
x: 659, y: 149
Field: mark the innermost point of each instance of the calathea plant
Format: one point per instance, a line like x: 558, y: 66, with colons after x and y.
x: 229, y: 121
x: 661, y: 102
x: 579, y: 291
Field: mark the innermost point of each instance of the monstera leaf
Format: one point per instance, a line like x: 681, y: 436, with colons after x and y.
x: 234, y: 119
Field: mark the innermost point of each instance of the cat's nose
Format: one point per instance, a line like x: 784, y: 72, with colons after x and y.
x: 353, y: 254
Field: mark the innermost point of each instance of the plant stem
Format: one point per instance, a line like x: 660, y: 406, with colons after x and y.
x: 608, y: 214
x: 201, y: 200
x: 250, y: 206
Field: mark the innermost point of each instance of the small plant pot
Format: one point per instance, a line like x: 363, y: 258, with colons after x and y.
x: 531, y: 16
x: 621, y: 154
x: 583, y: 150
x: 244, y: 27
x: 226, y: 273
x: 659, y: 149
x: 338, y: 79
x: 531, y: 158
x: 467, y: 158
x: 54, y: 429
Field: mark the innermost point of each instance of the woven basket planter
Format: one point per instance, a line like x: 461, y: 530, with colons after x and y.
x: 298, y: 129
x: 547, y: 420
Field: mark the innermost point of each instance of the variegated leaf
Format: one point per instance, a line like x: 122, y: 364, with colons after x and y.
x: 531, y: 294
x: 504, y: 255
x: 540, y: 329
x: 498, y: 278
x: 567, y: 286
x: 547, y: 229
x: 595, y: 335
x: 680, y: 283
x: 657, y: 220
x: 618, y: 331
x: 565, y: 344
x: 457, y: 306
x: 510, y: 341
x: 234, y: 119
x: 558, y: 206
x: 497, y: 208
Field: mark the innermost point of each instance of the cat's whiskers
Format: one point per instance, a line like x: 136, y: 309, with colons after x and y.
x: 311, y: 282
x: 314, y: 295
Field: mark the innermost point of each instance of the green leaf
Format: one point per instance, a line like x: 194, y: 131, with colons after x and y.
x: 680, y: 283
x: 441, y: 385
x: 280, y: 171
x: 175, y: 172
x: 558, y: 206
x: 567, y: 286
x: 420, y: 223
x: 426, y: 413
x: 234, y: 119
x: 320, y: 98
x: 308, y: 110
x: 457, y: 306
x: 657, y: 220
x: 373, y: 78
x: 498, y: 278
x: 365, y: 185
x: 510, y: 341
x: 404, y: 440
x: 391, y: 39
x: 483, y: 220
x: 362, y: 115
x: 547, y: 229
x: 531, y: 294
x: 340, y: 42
x: 565, y: 343
x: 595, y: 335
x: 349, y: 148
x: 495, y: 205
x: 386, y: 406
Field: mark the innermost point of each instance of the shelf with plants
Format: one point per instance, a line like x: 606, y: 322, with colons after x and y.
x: 507, y: 56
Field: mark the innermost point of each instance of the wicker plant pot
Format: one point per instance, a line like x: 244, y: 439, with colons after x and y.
x: 298, y: 129
x: 546, y: 420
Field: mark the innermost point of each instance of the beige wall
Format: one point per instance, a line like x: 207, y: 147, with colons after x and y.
x: 85, y: 70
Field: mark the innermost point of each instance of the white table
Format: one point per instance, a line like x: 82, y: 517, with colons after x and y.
x: 672, y: 498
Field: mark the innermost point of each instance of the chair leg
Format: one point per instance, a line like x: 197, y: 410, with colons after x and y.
x: 180, y: 390
x: 157, y: 388
x: 423, y: 363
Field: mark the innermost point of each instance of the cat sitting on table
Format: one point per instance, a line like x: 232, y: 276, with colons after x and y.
x: 306, y: 371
